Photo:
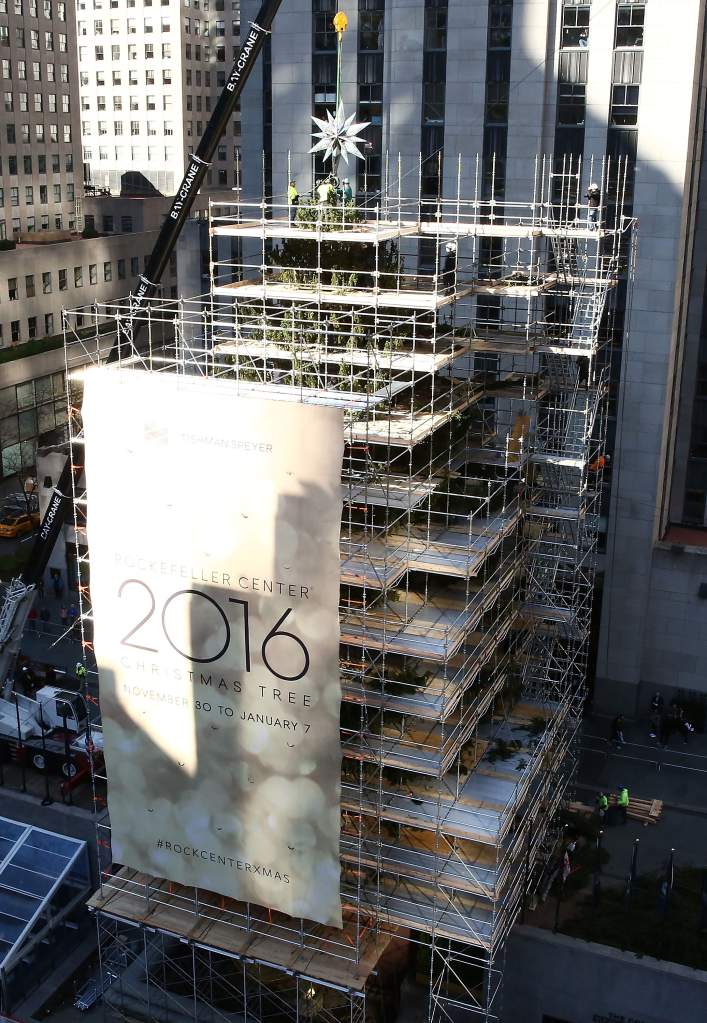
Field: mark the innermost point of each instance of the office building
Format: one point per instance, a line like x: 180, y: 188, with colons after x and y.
x: 149, y: 78
x: 41, y: 177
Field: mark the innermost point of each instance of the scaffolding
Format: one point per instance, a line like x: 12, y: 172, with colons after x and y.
x: 465, y: 339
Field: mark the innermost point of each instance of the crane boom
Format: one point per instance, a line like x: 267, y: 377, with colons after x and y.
x: 19, y: 595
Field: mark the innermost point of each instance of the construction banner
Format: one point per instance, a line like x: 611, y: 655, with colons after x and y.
x: 213, y: 534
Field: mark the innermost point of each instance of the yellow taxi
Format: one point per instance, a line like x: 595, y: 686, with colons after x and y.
x: 14, y: 523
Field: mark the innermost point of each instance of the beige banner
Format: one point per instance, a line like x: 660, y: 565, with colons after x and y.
x: 213, y: 531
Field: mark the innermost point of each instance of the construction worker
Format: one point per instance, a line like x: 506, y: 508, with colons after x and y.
x: 346, y: 190
x: 622, y: 803
x: 593, y: 203
x: 449, y: 270
x: 599, y: 463
x: 325, y: 191
x: 602, y: 805
x: 292, y: 199
x: 80, y: 670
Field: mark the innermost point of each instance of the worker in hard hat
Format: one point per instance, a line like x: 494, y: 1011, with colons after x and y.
x: 622, y: 802
x: 346, y: 190
x: 593, y: 203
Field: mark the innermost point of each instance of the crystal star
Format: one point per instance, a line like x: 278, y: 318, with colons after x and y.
x: 338, y: 136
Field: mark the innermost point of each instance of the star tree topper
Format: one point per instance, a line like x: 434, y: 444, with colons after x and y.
x: 338, y: 136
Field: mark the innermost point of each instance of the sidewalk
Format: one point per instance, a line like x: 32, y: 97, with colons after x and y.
x: 44, y: 643
x: 676, y: 775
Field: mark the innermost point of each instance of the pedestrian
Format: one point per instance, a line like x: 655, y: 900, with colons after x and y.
x: 657, y: 702
x: 617, y: 731
x: 347, y: 190
x: 664, y: 730
x: 686, y: 730
x: 40, y: 588
x: 593, y: 197
x: 292, y: 199
x: 32, y: 619
x: 72, y: 614
x: 655, y: 725
x: 622, y: 803
x: 80, y: 670
x: 602, y: 805
x: 64, y: 616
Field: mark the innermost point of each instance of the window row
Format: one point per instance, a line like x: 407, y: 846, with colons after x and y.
x: 37, y: 69
x: 53, y: 134
x: 31, y: 393
x: 27, y: 164
x: 151, y: 102
x: 152, y: 77
x: 203, y: 5
x: 132, y: 79
x: 151, y: 128
x: 42, y: 192
x: 119, y: 153
x: 75, y: 275
x: 31, y: 224
x: 630, y: 19
x: 29, y: 37
x: 37, y: 102
x: 115, y: 28
x: 113, y: 5
x: 32, y: 9
x: 148, y: 49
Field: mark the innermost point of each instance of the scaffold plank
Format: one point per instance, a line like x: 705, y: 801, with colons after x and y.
x: 366, y: 232
x: 214, y: 927
x: 405, y: 298
x: 401, y: 360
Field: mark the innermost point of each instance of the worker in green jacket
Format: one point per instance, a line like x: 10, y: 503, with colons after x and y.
x: 602, y: 805
x: 622, y: 803
x: 292, y: 199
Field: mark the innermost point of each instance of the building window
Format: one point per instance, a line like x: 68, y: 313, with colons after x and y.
x: 47, y: 283
x: 12, y: 292
x: 108, y: 271
x: 62, y: 280
x: 93, y: 273
x: 48, y: 324
x: 107, y: 223
x: 624, y: 105
x: 15, y: 331
x: 134, y: 266
x: 571, y: 103
x: 29, y: 285
x: 121, y: 269
x: 78, y: 277
x: 575, y: 25
x: 629, y: 24
x: 32, y: 327
x: 126, y: 224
